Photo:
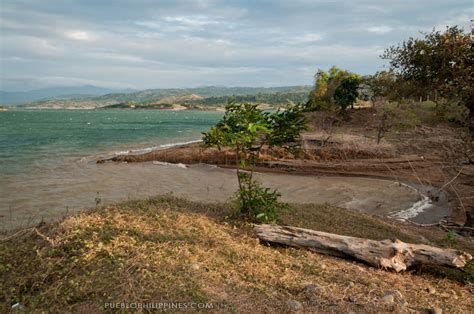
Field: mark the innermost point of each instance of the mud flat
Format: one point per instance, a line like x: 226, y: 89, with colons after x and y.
x: 348, y: 184
x: 80, y: 184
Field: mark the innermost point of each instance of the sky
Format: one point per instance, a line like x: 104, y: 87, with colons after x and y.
x: 144, y: 44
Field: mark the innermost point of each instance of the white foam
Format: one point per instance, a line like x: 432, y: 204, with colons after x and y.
x: 153, y: 148
x: 163, y: 163
x: 415, y: 209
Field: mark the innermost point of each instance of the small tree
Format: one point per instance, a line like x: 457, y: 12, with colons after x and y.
x: 323, y: 95
x: 346, y: 93
x: 245, y: 129
x: 381, y: 85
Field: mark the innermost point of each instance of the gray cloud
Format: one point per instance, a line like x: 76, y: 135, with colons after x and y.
x: 154, y: 44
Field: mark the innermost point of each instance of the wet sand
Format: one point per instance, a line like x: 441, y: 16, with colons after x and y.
x: 75, y: 185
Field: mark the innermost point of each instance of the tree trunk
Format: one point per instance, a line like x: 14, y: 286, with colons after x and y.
x: 387, y: 254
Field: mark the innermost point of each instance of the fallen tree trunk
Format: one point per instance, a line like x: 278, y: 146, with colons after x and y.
x: 387, y: 254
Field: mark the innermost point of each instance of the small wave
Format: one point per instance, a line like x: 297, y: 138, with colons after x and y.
x: 163, y: 163
x: 154, y: 148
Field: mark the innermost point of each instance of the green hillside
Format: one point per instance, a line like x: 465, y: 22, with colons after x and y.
x: 201, y: 96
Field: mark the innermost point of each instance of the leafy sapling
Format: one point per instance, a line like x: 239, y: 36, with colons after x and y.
x: 246, y: 129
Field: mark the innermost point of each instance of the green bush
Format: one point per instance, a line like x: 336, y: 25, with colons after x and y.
x: 245, y: 129
x: 452, y: 112
x: 257, y: 203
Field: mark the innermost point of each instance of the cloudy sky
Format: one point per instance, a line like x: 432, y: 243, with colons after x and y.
x: 172, y: 43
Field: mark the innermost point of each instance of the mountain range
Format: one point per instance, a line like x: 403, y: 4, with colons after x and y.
x: 96, y: 97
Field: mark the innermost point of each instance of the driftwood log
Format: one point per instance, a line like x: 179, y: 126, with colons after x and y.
x: 386, y: 254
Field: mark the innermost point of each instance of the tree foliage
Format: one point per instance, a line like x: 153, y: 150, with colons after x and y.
x: 439, y: 65
x: 381, y: 84
x: 325, y: 85
x: 346, y: 93
x: 246, y: 129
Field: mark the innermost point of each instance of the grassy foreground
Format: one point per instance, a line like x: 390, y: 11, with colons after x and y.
x: 165, y: 249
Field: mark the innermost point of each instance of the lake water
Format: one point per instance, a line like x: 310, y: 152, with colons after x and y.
x: 42, y: 144
x: 33, y: 139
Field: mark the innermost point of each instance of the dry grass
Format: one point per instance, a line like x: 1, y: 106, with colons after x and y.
x: 322, y: 145
x: 166, y: 249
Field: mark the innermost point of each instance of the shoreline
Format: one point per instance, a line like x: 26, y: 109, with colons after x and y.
x: 192, y: 153
x: 211, y: 109
x: 150, y: 149
x: 206, y: 181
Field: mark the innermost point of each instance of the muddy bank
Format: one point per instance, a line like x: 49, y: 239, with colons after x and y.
x: 83, y: 184
x: 429, y: 206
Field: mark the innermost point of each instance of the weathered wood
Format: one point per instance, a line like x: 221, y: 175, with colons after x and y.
x: 387, y: 254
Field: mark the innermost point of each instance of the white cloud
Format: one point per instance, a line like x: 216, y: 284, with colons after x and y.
x: 191, y: 20
x: 150, y: 44
x: 307, y: 38
x: 80, y: 35
x: 381, y: 29
x: 75, y: 81
x: 457, y: 19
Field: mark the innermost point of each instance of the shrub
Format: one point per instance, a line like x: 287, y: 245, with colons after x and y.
x: 246, y: 129
x: 256, y: 202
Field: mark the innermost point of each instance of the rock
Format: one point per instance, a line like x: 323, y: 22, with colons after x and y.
x: 17, y: 306
x: 312, y: 288
x: 351, y: 284
x: 431, y: 290
x: 194, y: 266
x: 352, y: 299
x: 388, y: 299
x: 391, y: 296
x: 403, y: 303
x: 294, y: 305
x: 435, y: 310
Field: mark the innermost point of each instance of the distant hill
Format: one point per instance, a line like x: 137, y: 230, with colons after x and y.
x: 206, y: 96
x: 13, y: 98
